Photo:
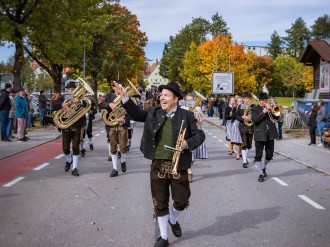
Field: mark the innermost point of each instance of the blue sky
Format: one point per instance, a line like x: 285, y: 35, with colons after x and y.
x: 249, y: 21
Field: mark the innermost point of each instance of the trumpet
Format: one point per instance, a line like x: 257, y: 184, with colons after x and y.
x: 177, y: 150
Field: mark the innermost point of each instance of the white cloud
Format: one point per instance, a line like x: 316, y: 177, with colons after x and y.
x: 248, y: 20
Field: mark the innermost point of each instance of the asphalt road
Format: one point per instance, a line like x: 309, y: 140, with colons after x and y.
x: 228, y: 207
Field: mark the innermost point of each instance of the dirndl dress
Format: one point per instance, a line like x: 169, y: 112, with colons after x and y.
x: 228, y: 130
x: 235, y: 134
x: 200, y: 152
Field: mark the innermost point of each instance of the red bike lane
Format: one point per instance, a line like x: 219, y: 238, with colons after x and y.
x: 15, y: 165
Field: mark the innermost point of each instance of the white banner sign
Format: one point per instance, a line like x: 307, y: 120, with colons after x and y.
x: 222, y: 83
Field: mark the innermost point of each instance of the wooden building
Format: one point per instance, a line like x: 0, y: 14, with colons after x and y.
x: 317, y: 54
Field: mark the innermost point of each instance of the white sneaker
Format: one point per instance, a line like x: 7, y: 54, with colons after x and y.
x: 320, y: 145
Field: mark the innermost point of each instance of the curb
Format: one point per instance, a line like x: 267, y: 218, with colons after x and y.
x: 284, y: 155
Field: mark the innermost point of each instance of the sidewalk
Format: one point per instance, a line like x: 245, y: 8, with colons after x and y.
x: 37, y: 137
x: 295, y: 149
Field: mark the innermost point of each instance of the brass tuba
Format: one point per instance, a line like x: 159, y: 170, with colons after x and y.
x: 247, y: 112
x: 109, y: 117
x: 199, y: 99
x: 64, y: 119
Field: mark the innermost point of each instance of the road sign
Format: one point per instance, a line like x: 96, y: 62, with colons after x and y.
x: 222, y: 83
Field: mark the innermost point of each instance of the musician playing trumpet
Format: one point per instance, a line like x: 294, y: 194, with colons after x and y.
x: 162, y: 127
x: 264, y: 134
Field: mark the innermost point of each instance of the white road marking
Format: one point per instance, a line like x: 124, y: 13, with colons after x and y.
x: 210, y: 133
x: 97, y: 134
x: 41, y: 166
x: 205, y: 130
x: 280, y: 181
x: 59, y: 156
x: 16, y: 180
x: 220, y: 141
x: 311, y: 202
x: 226, y: 145
x: 255, y: 166
x: 102, y: 131
x: 214, y: 137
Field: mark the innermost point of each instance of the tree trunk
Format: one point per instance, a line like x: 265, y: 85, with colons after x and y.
x: 19, y: 58
x: 94, y: 87
x: 56, y: 74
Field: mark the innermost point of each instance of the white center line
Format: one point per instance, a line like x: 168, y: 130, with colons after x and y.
x: 214, y: 137
x: 210, y: 133
x: 220, y: 141
x: 280, y: 181
x: 16, y: 180
x: 311, y: 202
x: 205, y: 130
x: 59, y: 156
x: 226, y: 145
x: 41, y: 166
x: 97, y: 134
x: 102, y: 131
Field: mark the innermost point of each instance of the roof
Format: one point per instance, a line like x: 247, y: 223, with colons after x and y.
x: 152, y: 68
x: 314, y: 50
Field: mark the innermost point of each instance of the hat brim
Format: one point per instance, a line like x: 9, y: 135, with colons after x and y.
x: 161, y: 87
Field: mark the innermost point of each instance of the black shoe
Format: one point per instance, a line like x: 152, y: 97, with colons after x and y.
x: 119, y: 155
x: 26, y: 138
x: 127, y: 148
x: 176, y: 229
x: 161, y: 242
x: 114, y: 173
x: 8, y: 140
x: 261, y: 178
x: 244, y: 165
x: 237, y: 158
x: 91, y: 147
x: 123, y: 167
x: 75, y: 172
x: 110, y: 158
x: 83, y: 152
x: 67, y: 166
x: 264, y: 171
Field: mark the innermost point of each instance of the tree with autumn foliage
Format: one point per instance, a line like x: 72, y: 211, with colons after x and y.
x: 214, y: 55
x: 294, y: 75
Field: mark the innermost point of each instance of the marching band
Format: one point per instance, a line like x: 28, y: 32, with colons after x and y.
x: 247, y: 117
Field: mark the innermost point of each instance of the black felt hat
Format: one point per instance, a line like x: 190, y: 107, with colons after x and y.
x: 8, y: 85
x: 173, y: 87
x: 246, y: 94
x: 263, y: 96
x: 71, y: 84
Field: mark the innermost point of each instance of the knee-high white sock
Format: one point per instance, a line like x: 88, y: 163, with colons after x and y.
x: 259, y: 167
x: 82, y: 144
x: 244, y: 155
x: 114, y: 161
x: 174, y: 215
x: 118, y: 147
x: 163, y: 226
x: 264, y: 163
x: 69, y: 157
x: 123, y: 158
x: 75, y: 161
x: 90, y: 141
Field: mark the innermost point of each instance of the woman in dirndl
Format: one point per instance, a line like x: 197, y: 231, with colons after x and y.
x: 229, y: 117
x: 236, y: 138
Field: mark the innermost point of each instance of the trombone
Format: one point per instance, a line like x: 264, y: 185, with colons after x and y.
x: 275, y: 109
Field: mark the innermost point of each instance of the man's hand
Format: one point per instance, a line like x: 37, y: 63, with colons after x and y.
x: 75, y: 100
x: 65, y: 106
x: 184, y: 144
x: 112, y: 106
x: 121, y: 90
x: 120, y: 120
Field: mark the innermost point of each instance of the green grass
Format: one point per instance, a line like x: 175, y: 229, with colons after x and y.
x: 284, y: 101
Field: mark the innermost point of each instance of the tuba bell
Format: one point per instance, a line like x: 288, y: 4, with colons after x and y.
x: 64, y: 119
x: 109, y: 117
x: 199, y: 99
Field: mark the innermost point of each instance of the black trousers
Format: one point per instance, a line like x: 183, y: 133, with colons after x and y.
x: 269, y: 149
x: 161, y: 182
x: 71, y: 134
x: 312, y: 134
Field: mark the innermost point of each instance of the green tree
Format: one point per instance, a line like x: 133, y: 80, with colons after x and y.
x: 275, y: 45
x: 321, y: 27
x: 14, y: 24
x: 218, y: 26
x: 297, y: 38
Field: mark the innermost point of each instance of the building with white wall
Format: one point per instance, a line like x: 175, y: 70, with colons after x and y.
x: 153, y: 77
